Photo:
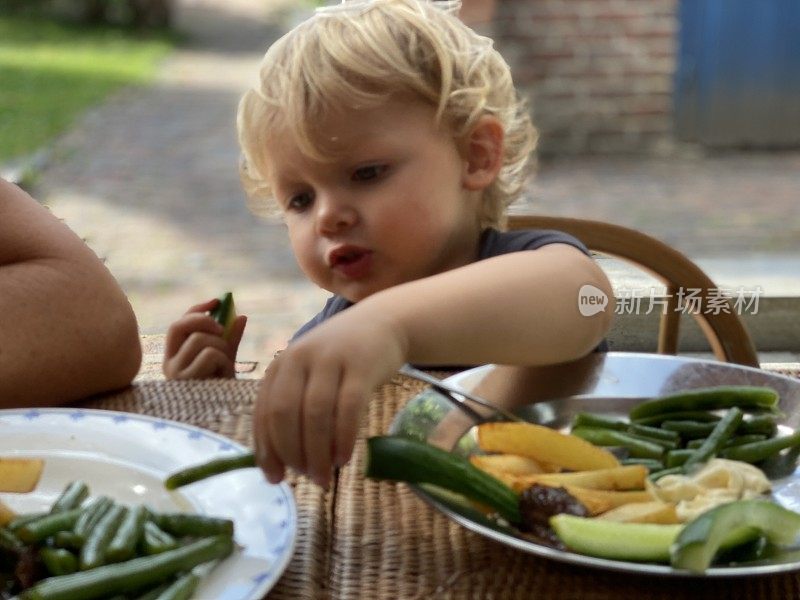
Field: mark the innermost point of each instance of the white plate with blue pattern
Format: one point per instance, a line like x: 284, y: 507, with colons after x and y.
x: 127, y: 456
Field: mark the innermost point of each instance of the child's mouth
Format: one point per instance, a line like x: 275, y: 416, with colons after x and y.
x: 353, y: 263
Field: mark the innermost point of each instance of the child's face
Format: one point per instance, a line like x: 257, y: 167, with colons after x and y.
x: 390, y: 207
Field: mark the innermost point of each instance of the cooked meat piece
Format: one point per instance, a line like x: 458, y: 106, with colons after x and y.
x: 539, y: 502
x: 29, y: 568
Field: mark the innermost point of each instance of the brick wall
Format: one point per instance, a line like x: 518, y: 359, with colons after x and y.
x: 599, y: 73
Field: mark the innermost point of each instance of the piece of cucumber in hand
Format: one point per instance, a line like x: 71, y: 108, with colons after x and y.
x: 225, y: 313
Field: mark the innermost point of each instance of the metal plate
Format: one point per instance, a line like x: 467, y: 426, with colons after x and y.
x: 609, y: 383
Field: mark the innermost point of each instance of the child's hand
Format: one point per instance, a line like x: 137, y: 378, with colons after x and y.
x: 313, y: 394
x: 195, y: 348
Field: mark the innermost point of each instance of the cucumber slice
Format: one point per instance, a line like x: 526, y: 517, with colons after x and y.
x: 403, y: 459
x: 635, y: 542
x: 694, y: 549
x: 638, y: 542
x: 225, y: 313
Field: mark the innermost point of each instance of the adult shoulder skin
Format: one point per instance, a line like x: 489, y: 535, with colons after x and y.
x: 67, y: 331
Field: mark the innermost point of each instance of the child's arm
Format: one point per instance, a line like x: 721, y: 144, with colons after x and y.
x: 67, y: 330
x: 519, y: 308
x: 195, y: 348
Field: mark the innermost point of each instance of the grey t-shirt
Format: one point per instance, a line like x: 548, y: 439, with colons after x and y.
x: 492, y: 243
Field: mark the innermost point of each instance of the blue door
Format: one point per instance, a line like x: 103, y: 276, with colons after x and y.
x: 738, y: 77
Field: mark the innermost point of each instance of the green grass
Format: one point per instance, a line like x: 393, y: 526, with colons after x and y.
x: 51, y: 72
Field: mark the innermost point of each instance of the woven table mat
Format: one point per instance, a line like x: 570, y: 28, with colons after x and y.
x: 387, y: 543
x: 224, y: 406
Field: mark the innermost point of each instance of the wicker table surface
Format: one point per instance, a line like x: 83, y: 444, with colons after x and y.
x: 366, y: 539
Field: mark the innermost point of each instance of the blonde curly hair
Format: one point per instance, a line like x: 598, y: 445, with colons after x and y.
x: 360, y: 54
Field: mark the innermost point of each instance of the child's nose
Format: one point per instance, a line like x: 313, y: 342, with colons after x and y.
x: 334, y: 213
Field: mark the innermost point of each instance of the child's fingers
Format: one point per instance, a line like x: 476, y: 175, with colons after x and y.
x: 284, y: 414
x: 318, y: 412
x: 273, y: 468
x: 352, y: 399
x: 203, y: 306
x: 266, y: 456
x: 176, y: 365
x: 210, y: 362
x: 183, y: 328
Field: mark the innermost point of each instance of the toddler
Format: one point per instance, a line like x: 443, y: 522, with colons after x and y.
x: 390, y: 138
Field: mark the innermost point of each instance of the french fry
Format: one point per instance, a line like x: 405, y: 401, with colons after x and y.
x: 492, y: 469
x: 630, y: 477
x: 600, y: 501
x: 6, y: 515
x: 662, y: 513
x: 545, y: 445
x: 511, y: 464
x: 20, y: 475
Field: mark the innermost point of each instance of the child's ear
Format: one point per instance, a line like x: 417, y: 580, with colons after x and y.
x: 483, y: 153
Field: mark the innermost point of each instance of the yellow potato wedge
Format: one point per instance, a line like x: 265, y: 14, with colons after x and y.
x: 491, y: 469
x: 20, y: 475
x: 630, y: 477
x: 6, y: 515
x: 600, y: 501
x: 662, y: 513
x: 511, y: 464
x: 544, y: 444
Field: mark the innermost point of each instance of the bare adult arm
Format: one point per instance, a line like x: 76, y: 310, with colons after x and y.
x: 67, y: 330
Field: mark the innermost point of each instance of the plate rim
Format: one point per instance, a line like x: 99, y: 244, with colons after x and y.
x: 275, y: 572
x: 583, y: 560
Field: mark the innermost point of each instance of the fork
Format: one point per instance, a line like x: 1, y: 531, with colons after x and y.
x: 454, y: 395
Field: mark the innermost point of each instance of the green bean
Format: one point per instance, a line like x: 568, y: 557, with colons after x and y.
x: 681, y: 415
x: 44, y: 527
x: 156, y: 541
x: 666, y: 444
x: 689, y: 429
x: 58, y: 561
x: 21, y: 520
x: 675, y: 458
x: 585, y: 419
x: 654, y: 432
x: 659, y: 474
x: 748, y: 438
x: 93, y: 553
x: 181, y: 589
x: 758, y: 451
x: 123, y: 544
x: 154, y: 593
x: 71, y: 497
x: 91, y: 515
x: 9, y: 541
x: 608, y: 437
x: 209, y: 469
x: 182, y: 524
x: 759, y: 424
x: 133, y: 574
x: 737, y: 440
x: 722, y: 432
x: 713, y: 398
x: 68, y: 540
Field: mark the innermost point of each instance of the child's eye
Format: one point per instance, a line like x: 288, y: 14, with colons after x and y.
x: 370, y: 172
x: 300, y: 202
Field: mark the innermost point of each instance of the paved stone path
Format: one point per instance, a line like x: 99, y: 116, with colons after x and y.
x: 149, y: 179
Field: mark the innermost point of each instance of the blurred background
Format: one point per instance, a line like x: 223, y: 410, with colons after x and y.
x: 680, y: 118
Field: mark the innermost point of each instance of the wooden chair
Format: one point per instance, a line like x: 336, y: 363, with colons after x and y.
x: 724, y: 330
